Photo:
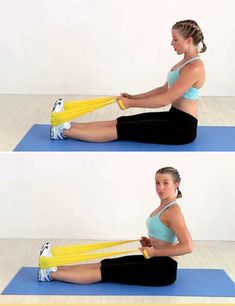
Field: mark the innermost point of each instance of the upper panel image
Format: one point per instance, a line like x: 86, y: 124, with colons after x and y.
x: 150, y: 86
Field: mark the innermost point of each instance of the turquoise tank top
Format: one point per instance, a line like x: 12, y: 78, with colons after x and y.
x: 157, y: 229
x: 193, y: 93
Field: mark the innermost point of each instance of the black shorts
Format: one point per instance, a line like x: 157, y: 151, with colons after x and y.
x: 171, y: 127
x: 136, y: 270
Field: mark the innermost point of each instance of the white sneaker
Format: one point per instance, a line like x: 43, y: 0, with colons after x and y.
x: 46, y: 250
x: 58, y: 106
x: 57, y: 132
x: 44, y: 274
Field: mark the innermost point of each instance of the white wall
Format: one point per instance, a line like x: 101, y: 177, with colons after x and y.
x: 109, y: 195
x: 102, y: 47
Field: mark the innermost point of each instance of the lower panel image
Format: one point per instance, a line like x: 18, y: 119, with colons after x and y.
x: 117, y: 227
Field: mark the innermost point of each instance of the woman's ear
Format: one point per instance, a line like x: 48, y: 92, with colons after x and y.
x: 177, y: 185
x: 190, y: 40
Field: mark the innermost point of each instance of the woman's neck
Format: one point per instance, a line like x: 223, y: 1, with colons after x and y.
x: 189, y: 55
x: 167, y: 202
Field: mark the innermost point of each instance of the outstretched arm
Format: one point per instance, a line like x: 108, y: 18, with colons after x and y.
x: 188, y: 77
x: 147, y: 94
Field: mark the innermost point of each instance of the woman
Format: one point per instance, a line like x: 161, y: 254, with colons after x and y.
x: 182, y: 90
x: 168, y: 238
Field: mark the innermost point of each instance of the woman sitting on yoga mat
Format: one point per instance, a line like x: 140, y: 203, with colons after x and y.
x: 182, y: 90
x: 168, y: 238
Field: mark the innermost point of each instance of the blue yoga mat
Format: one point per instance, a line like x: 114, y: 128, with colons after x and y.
x: 190, y: 282
x: 210, y: 138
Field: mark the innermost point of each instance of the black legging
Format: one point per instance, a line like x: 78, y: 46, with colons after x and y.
x: 136, y: 270
x: 171, y: 127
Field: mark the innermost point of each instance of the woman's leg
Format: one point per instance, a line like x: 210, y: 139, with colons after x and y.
x: 147, y: 127
x: 126, y: 128
x: 106, y: 123
x: 136, y: 270
x: 100, y: 131
x: 78, y: 274
x: 170, y: 127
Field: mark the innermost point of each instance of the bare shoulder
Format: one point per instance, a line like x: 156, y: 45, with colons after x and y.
x: 196, y: 67
x: 173, y: 212
x: 172, y: 215
x: 175, y: 209
x: 195, y: 71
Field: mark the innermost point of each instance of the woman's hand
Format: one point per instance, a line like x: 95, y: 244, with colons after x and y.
x: 145, y: 242
x: 126, y: 95
x: 148, y: 252
x: 123, y: 102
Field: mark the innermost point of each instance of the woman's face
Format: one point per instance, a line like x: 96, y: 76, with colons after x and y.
x: 165, y: 186
x: 179, y: 43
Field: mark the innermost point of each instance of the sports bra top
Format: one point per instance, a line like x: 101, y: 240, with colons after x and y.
x: 192, y: 93
x: 157, y: 229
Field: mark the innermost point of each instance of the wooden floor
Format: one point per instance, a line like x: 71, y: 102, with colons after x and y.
x: 19, y: 112
x: 16, y: 253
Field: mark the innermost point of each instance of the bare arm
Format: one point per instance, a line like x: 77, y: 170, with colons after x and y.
x: 184, y: 245
x: 147, y: 94
x: 188, y: 77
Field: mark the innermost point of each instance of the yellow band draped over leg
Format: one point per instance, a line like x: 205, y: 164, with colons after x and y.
x: 64, y: 255
x: 75, y: 109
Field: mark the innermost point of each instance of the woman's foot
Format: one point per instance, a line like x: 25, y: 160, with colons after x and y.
x: 57, y: 132
x: 44, y: 275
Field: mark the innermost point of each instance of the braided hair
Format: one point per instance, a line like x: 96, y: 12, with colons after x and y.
x: 190, y: 28
x: 175, y: 176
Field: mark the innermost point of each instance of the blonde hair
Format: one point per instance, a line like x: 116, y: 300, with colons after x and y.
x: 190, y: 28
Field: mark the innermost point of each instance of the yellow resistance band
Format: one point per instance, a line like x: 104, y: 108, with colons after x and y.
x: 75, y: 109
x: 121, y: 104
x: 84, y: 248
x: 64, y: 255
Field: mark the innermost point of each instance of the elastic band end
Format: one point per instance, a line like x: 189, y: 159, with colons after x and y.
x: 121, y: 104
x: 146, y: 255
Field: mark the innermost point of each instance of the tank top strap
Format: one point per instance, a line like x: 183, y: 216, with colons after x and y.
x: 167, y: 206
x: 189, y: 61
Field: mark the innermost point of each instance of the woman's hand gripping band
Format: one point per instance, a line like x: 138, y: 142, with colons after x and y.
x: 123, y: 102
x: 146, y: 247
x: 145, y: 252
